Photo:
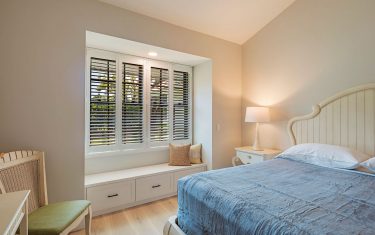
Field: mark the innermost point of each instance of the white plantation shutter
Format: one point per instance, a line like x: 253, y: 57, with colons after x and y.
x: 181, y: 105
x: 159, y: 105
x: 102, y: 102
x: 132, y: 104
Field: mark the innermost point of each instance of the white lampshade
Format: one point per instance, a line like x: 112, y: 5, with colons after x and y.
x: 257, y: 114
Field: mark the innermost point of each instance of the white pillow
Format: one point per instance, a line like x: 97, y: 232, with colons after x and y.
x: 325, y: 155
x: 369, y: 164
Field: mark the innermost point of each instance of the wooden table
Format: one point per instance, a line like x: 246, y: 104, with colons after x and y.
x: 13, y: 207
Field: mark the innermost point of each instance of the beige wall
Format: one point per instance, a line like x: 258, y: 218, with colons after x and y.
x: 42, y: 45
x: 202, y: 110
x: 311, y: 51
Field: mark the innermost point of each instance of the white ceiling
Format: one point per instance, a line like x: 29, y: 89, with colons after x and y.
x: 232, y: 20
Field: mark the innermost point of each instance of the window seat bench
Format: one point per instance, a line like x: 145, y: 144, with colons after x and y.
x: 116, y: 190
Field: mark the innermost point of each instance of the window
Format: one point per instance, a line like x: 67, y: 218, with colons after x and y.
x: 159, y: 106
x: 102, y: 101
x: 134, y: 103
x: 181, y: 105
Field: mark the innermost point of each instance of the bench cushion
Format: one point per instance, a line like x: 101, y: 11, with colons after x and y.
x: 54, y: 218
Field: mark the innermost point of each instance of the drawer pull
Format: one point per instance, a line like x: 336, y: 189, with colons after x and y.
x: 156, y: 186
x: 113, y: 195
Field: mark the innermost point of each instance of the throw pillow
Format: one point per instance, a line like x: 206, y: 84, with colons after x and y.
x: 196, y: 154
x: 179, y: 155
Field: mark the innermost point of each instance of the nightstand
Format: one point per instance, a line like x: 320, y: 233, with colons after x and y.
x: 249, y: 156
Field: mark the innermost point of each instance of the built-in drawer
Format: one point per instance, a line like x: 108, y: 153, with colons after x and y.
x: 153, y: 186
x: 179, y: 174
x: 111, y: 195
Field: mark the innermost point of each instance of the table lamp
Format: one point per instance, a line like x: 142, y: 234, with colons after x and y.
x: 257, y: 115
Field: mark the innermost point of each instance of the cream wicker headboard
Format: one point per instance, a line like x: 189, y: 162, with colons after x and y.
x: 346, y: 119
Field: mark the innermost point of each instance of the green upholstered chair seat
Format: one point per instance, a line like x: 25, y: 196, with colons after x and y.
x: 54, y: 218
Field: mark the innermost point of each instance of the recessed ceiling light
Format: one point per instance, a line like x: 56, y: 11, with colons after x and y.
x: 151, y: 53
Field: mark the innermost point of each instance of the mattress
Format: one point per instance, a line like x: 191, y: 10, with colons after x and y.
x: 279, y: 196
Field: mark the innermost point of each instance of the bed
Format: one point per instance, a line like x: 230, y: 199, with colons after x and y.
x: 283, y: 196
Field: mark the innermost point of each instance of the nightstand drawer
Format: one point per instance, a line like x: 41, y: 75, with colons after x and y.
x: 248, y: 158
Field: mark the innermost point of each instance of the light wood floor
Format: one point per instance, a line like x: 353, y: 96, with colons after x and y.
x: 147, y: 219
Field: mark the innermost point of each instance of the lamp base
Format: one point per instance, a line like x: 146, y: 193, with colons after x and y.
x: 256, y: 146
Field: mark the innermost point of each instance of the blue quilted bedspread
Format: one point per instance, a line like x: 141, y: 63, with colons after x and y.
x: 277, y: 197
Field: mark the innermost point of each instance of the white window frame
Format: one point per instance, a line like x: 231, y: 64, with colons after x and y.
x: 162, y: 65
x: 189, y: 70
x: 103, y: 55
x: 146, y: 146
x: 134, y: 60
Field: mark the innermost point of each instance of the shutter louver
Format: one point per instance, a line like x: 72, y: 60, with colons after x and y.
x: 132, y: 104
x: 102, y: 102
x: 181, y: 106
x: 159, y: 105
